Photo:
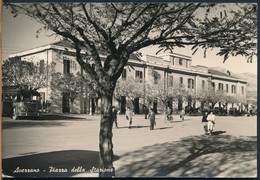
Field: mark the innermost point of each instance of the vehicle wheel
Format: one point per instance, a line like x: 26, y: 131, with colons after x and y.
x: 14, y: 116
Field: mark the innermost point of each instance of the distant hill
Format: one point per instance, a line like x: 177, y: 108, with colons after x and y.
x: 251, y: 80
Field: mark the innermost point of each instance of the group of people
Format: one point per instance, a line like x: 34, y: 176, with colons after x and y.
x: 149, y: 114
x: 208, y: 121
x: 169, y: 114
x: 129, y: 117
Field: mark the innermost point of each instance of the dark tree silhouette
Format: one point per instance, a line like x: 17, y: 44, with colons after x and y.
x: 116, y: 30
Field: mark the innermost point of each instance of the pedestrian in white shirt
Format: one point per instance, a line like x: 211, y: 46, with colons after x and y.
x: 129, y: 117
x: 211, y: 122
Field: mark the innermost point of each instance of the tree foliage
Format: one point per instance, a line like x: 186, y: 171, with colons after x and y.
x: 161, y: 92
x: 211, y: 96
x: 22, y: 73
x: 130, y: 88
x: 67, y: 83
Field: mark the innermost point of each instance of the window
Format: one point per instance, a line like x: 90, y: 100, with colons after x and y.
x: 66, y: 66
x: 74, y: 65
x: 191, y: 83
x: 213, y: 85
x: 139, y: 76
x: 242, y: 89
x: 203, y: 84
x: 170, y: 80
x: 233, y: 89
x: 180, y: 62
x: 41, y: 66
x: 226, y: 88
x: 220, y: 86
x: 30, y: 66
x: 156, y: 77
x: 181, y: 81
x: 124, y: 74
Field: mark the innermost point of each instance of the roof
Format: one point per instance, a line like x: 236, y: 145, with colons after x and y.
x: 64, y: 43
x: 220, y: 73
x: 226, y: 75
x: 24, y: 92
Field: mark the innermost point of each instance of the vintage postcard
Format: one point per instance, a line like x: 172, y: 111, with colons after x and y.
x: 129, y: 89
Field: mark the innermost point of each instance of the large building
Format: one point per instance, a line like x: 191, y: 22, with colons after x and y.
x: 169, y: 69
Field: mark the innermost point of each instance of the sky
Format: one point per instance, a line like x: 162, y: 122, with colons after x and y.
x: 19, y: 34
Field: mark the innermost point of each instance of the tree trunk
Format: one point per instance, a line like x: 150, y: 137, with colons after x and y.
x: 106, y: 168
x: 71, y: 105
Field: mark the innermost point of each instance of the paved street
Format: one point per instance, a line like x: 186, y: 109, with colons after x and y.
x: 68, y: 146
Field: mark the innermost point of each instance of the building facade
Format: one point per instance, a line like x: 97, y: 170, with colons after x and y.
x: 170, y: 70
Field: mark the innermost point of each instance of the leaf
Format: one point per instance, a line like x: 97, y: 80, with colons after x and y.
x: 193, y: 47
x: 225, y: 57
x: 195, y: 51
x: 205, y: 52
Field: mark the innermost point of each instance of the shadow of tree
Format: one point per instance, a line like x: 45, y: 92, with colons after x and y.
x: 66, y: 160
x: 199, y: 156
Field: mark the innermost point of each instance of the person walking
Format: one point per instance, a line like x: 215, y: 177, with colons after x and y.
x: 169, y: 114
x: 114, y: 116
x: 146, y: 112
x: 205, y: 122
x: 151, y: 117
x: 129, y: 117
x: 182, y: 114
x: 211, y: 122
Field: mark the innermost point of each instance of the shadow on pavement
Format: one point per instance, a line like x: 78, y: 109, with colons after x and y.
x: 42, y: 121
x: 199, y: 156
x: 218, y: 132
x: 65, y: 161
x: 163, y: 128
x: 14, y: 124
x: 178, y: 121
x: 133, y: 127
x: 51, y: 117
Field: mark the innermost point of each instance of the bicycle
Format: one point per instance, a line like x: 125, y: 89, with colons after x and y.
x: 168, y: 118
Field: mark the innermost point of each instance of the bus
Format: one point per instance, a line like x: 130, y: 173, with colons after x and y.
x: 18, y: 102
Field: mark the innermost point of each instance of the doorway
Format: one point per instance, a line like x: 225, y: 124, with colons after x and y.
x: 65, y: 102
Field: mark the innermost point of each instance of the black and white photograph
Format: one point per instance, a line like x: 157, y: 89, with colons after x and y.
x: 129, y: 89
